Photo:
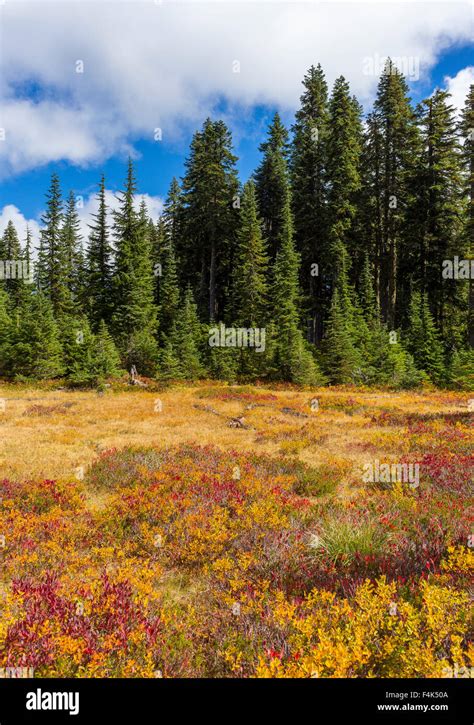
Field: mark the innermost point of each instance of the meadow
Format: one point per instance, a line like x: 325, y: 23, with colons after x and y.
x: 212, y: 530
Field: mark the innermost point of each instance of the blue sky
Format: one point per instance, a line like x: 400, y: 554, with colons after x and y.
x: 143, y: 69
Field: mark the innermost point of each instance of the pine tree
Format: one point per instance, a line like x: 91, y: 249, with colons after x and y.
x: 73, y: 252
x: 77, y: 346
x: 271, y: 180
x: 343, y: 170
x: 105, y: 358
x: 396, y: 145
x: 439, y: 209
x: 36, y: 350
x: 423, y: 340
x: 309, y: 186
x: 11, y: 267
x: 249, y: 286
x: 99, y: 264
x: 184, y: 338
x: 210, y: 203
x: 292, y: 360
x: 467, y: 133
x: 134, y: 317
x: 6, y: 328
x: 341, y: 357
x: 52, y: 269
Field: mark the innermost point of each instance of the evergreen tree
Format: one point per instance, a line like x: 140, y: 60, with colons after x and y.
x: 36, y: 350
x: 396, y: 146
x: 341, y: 357
x: 106, y: 360
x: 423, y: 340
x: 134, y: 317
x: 309, y: 187
x: 71, y: 243
x: 368, y: 301
x: 210, y: 203
x: 292, y: 360
x: 185, y: 339
x: 6, y: 327
x: 52, y: 268
x: 11, y: 267
x: 168, y: 287
x: 99, y: 264
x: 77, y: 346
x: 467, y: 133
x: 272, y: 179
x: 343, y: 167
x: 439, y: 211
x: 249, y: 286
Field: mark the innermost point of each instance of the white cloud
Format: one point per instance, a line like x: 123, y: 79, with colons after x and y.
x: 90, y: 205
x: 458, y: 86
x: 85, y: 209
x: 167, y: 64
x: 13, y: 214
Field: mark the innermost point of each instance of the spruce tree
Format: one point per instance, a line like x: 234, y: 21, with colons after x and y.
x: 11, y: 262
x: 6, y: 328
x: 397, y: 142
x: 99, y: 264
x: 309, y: 186
x: 467, y: 134
x: 210, y: 205
x: 423, y: 340
x: 134, y: 316
x: 439, y: 209
x: 343, y: 169
x: 52, y: 267
x: 249, y: 286
x: 105, y: 357
x: 36, y: 350
x: 271, y: 180
x: 292, y: 360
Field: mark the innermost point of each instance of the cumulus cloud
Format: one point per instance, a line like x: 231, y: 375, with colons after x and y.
x: 89, y: 206
x: 458, y: 86
x: 13, y: 214
x: 148, y: 65
x: 85, y: 208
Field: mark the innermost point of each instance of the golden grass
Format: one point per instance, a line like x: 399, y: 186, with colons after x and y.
x: 55, y: 433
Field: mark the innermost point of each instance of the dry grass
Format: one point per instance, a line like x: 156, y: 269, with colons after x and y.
x: 53, y: 433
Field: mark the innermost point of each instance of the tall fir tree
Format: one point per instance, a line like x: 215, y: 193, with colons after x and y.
x: 439, y: 205
x: 343, y: 171
x: 292, y: 359
x: 249, y: 282
x: 309, y: 188
x: 134, y: 319
x: 71, y: 243
x: 99, y: 264
x: 11, y: 262
x: 210, y: 204
x: 36, y: 349
x: 395, y: 145
x: 271, y: 180
x: 467, y: 135
x: 51, y: 268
